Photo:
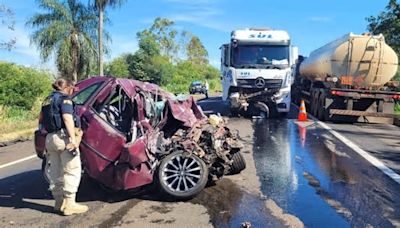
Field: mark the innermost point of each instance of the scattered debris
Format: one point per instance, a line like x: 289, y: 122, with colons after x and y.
x: 245, y: 225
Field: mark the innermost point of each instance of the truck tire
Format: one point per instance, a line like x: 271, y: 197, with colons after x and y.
x: 182, y: 175
x: 321, y: 106
x: 315, y: 103
x: 311, y: 108
x: 238, y: 163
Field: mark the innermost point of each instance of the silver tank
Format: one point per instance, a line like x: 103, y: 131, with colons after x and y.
x: 357, y: 60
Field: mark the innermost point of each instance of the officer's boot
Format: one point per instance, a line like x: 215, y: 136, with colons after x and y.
x: 71, y: 207
x: 59, y: 198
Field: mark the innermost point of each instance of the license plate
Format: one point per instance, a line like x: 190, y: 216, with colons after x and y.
x: 346, y: 80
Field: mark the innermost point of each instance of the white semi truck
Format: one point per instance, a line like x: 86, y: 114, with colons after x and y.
x: 257, y: 70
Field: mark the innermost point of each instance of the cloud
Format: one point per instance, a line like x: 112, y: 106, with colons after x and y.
x: 203, y: 13
x: 319, y: 19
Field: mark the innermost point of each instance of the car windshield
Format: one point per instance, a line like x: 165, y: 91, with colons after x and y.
x: 196, y: 83
x: 82, y: 96
x: 255, y: 56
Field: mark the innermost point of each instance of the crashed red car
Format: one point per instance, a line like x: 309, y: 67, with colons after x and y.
x: 136, y: 133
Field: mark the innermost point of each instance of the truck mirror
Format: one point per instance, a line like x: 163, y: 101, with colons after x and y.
x: 294, y: 54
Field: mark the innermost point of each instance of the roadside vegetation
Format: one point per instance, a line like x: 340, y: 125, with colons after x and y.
x: 388, y: 23
x: 167, y: 57
x: 21, y: 90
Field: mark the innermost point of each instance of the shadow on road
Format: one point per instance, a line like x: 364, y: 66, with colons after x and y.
x: 16, y: 191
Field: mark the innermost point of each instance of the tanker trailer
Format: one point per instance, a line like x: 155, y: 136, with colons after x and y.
x: 347, y: 80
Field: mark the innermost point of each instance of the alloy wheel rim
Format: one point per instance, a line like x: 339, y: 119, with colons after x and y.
x: 181, y: 174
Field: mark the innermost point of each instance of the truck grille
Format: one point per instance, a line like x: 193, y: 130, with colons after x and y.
x: 260, y: 83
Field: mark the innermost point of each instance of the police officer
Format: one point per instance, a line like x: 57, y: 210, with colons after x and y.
x: 62, y: 145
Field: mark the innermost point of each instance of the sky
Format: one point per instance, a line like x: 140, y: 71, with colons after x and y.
x: 310, y: 23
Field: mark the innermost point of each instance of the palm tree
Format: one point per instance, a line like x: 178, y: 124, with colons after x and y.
x: 67, y: 30
x: 101, y: 5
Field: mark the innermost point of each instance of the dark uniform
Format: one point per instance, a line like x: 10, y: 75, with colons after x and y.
x: 65, y: 166
x: 62, y: 104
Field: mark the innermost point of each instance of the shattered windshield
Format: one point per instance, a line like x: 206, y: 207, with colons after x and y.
x: 256, y: 56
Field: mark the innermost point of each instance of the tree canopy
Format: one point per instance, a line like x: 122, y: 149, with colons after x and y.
x: 388, y: 23
x: 66, y: 29
x: 7, y: 20
x: 168, y: 57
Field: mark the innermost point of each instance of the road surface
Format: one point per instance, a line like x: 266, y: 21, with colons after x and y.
x: 298, y: 174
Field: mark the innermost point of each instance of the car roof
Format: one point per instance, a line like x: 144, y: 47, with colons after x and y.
x: 129, y: 85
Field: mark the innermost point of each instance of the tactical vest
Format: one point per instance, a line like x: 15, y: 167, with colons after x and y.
x: 51, y: 111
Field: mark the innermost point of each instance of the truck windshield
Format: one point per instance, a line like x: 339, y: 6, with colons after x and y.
x: 259, y: 56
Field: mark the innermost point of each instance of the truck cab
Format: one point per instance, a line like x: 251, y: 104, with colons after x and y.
x: 257, y: 68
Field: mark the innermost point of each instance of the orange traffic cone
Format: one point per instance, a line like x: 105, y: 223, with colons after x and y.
x: 302, y: 112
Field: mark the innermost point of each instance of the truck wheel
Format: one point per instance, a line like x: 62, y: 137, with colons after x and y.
x: 311, y: 111
x: 238, y: 163
x: 234, y: 112
x: 283, y: 114
x: 315, y: 103
x: 182, y: 175
x: 321, y: 107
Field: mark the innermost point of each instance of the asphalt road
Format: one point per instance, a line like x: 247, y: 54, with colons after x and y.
x: 298, y: 174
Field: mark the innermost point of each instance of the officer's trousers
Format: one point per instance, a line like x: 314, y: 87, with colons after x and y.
x: 65, y: 169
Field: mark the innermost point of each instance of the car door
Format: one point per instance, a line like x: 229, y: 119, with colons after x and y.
x: 102, y: 143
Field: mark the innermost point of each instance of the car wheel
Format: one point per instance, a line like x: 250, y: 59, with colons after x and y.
x: 283, y: 114
x: 238, y: 163
x: 46, y: 170
x: 182, y: 175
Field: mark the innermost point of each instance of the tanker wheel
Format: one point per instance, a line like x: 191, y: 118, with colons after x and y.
x: 314, y: 105
x: 321, y: 106
x: 311, y: 108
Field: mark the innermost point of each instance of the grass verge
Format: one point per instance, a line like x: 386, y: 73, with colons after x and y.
x: 16, y: 123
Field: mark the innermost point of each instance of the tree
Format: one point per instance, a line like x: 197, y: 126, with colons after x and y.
x: 7, y: 19
x: 21, y: 86
x: 118, y: 67
x: 68, y: 30
x: 196, y: 52
x: 388, y: 23
x: 101, y: 5
x: 164, y: 33
x: 140, y: 63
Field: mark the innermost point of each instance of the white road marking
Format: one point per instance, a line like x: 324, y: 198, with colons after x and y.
x: 18, y: 161
x: 371, y: 159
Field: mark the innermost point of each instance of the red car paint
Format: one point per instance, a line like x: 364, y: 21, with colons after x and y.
x: 106, y: 155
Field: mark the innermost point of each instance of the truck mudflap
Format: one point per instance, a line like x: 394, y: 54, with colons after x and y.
x: 361, y: 113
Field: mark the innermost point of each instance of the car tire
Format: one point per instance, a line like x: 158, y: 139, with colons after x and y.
x: 283, y: 114
x: 182, y: 175
x: 238, y: 163
x: 45, y: 170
